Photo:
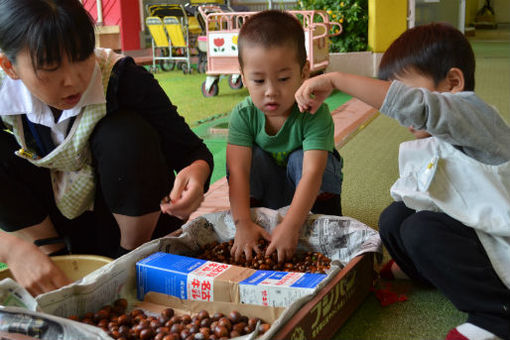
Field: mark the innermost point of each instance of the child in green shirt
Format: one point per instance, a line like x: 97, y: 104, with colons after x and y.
x: 277, y: 156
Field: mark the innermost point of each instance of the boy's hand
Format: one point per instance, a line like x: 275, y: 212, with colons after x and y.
x: 419, y: 134
x: 313, y: 92
x: 246, y: 239
x: 284, y: 240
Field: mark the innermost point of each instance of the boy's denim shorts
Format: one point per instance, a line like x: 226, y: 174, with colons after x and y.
x: 274, y: 185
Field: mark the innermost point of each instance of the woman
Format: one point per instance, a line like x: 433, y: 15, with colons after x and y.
x: 91, y: 145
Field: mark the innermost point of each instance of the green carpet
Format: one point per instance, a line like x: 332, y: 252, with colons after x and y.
x: 185, y: 92
x: 217, y: 144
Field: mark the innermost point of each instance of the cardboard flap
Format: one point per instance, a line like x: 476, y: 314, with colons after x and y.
x: 156, y: 302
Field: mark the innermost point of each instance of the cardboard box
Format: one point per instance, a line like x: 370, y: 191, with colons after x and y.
x: 200, y: 280
x: 317, y: 316
x: 320, y: 318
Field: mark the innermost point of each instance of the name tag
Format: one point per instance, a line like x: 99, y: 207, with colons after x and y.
x: 427, y: 173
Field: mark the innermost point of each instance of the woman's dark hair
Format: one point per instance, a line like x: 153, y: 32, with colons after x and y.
x: 272, y: 28
x: 47, y: 28
x: 431, y: 50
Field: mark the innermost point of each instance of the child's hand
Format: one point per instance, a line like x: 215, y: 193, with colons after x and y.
x: 313, y: 92
x: 246, y: 239
x: 419, y: 133
x: 284, y: 240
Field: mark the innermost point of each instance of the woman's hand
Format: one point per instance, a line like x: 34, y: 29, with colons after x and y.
x: 33, y: 270
x: 246, y: 239
x: 188, y: 191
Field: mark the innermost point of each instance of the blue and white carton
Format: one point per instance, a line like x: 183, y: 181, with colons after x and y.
x: 279, y: 289
x: 194, y: 279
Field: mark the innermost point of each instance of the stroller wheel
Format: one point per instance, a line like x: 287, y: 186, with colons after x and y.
x: 167, y: 65
x: 235, y: 83
x: 181, y: 65
x: 184, y: 68
x: 213, y: 91
x: 202, y: 67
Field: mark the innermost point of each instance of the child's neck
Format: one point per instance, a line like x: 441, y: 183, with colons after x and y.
x: 275, y: 123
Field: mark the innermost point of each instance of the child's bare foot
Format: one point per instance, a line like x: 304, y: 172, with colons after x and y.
x: 391, y: 271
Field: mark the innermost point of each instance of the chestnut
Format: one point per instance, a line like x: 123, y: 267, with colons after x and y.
x: 264, y: 328
x: 167, y: 313
x: 146, y: 334
x: 122, y: 303
x: 217, y: 316
x: 203, y: 314
x: 176, y: 328
x: 171, y: 337
x: 221, y: 331
x: 234, y: 316
x: 225, y: 323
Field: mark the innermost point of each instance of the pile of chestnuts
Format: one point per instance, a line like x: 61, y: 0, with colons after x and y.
x: 309, y: 262
x: 119, y: 324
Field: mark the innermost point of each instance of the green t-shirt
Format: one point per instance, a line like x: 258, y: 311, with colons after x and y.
x: 300, y: 130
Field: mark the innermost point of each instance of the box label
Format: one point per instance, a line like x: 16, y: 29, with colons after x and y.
x: 277, y: 289
x: 165, y: 273
x: 201, y: 280
x: 184, y: 277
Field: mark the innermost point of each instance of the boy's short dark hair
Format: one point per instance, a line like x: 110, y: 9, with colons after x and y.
x: 47, y: 28
x: 431, y: 50
x: 272, y: 28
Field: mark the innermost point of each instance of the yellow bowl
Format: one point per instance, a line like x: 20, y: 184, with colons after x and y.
x: 74, y: 266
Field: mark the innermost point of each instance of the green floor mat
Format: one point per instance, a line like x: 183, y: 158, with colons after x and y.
x: 217, y: 144
x: 2, y: 266
x: 489, y: 49
x: 336, y: 99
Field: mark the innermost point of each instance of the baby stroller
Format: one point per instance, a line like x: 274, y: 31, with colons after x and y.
x: 195, y: 16
x: 222, y: 46
x: 169, y: 28
x: 212, y: 20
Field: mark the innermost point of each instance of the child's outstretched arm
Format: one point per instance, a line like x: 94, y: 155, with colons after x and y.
x: 284, y: 237
x: 315, y: 90
x: 247, y: 232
